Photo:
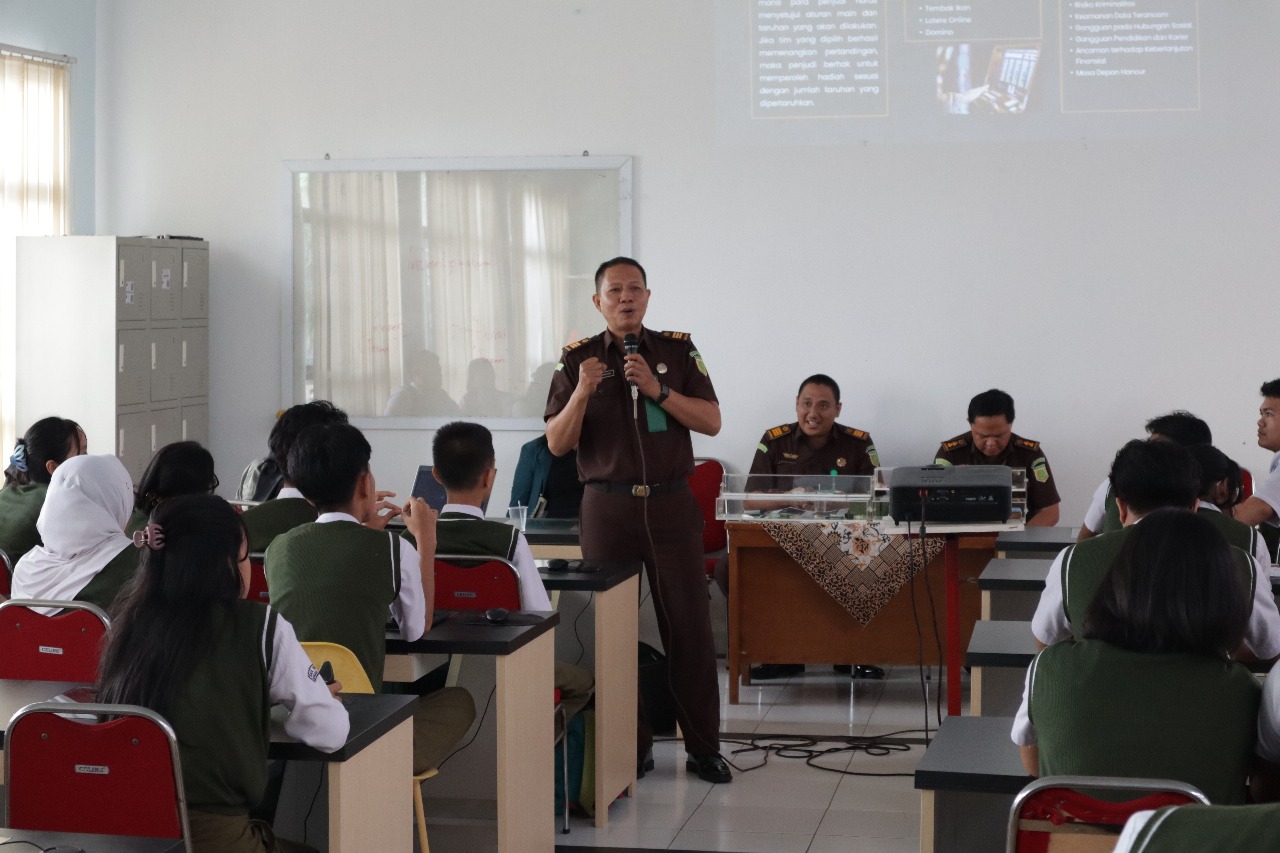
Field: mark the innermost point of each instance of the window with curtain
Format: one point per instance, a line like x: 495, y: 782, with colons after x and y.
x: 427, y: 291
x: 34, y: 197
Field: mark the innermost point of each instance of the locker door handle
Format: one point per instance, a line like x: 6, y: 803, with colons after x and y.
x: 153, y: 275
x: 153, y: 355
x: 120, y: 445
x: 120, y: 359
x: 184, y: 352
x: 184, y: 429
x: 121, y: 264
x: 184, y: 275
x: 153, y: 438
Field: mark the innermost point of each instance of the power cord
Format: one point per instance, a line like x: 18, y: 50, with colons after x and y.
x: 809, y: 750
x: 474, y: 734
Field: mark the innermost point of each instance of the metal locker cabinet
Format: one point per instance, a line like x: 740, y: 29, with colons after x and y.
x: 166, y: 428
x: 166, y: 283
x: 195, y: 284
x: 133, y: 284
x: 195, y: 423
x: 165, y: 365
x: 133, y: 367
x: 133, y: 442
x: 193, y: 362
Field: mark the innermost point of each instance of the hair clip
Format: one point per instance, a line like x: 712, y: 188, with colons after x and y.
x: 152, y: 536
x: 19, y: 457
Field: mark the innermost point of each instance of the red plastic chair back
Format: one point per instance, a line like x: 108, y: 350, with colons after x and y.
x: 705, y: 482
x: 120, y: 777
x: 66, y: 647
x: 476, y: 583
x: 1052, y: 802
x: 1246, y: 484
x: 258, y: 579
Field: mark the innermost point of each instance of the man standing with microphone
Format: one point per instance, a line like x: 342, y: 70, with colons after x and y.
x: 628, y: 399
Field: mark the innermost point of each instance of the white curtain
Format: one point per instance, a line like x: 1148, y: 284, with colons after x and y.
x: 34, y: 195
x: 350, y: 269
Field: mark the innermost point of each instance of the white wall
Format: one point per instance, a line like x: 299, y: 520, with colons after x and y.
x: 1138, y: 276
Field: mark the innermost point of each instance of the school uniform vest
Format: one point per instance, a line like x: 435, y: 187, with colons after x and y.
x: 264, y: 522
x: 1111, y: 520
x: 334, y: 583
x: 459, y: 533
x: 103, y: 587
x: 1222, y: 829
x: 1100, y: 710
x: 1086, y: 563
x: 222, y: 714
x: 1236, y: 533
x: 19, y: 509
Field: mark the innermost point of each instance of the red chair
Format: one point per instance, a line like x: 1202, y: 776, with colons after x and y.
x: 476, y: 583
x: 118, y: 777
x: 1246, y: 484
x: 258, y: 579
x: 705, y: 481
x: 6, y: 579
x: 1052, y: 813
x: 65, y: 647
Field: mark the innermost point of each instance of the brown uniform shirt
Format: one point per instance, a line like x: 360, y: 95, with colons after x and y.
x: 1021, y: 453
x: 784, y: 450
x: 608, y: 450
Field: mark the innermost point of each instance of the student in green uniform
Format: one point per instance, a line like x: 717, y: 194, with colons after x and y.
x: 288, y: 508
x: 1151, y: 689
x: 185, y: 644
x: 181, y: 468
x: 46, y: 445
x: 1196, y: 828
x: 85, y: 554
x: 339, y: 577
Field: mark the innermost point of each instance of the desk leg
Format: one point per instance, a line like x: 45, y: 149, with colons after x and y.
x: 986, y: 605
x: 975, y: 691
x: 616, y: 636
x: 952, y: 560
x: 370, y: 801
x: 526, y: 767
x: 926, y: 822
x: 735, y: 626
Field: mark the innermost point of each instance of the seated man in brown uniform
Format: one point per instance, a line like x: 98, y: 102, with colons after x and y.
x: 815, y: 444
x: 991, y: 441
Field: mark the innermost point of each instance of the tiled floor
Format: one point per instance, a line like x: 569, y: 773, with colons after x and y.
x: 785, y: 805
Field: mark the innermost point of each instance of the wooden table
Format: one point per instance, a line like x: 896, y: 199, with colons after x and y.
x: 998, y: 656
x: 369, y: 806
x: 370, y: 800
x: 967, y: 780
x: 616, y: 587
x: 1011, y: 587
x: 1037, y: 541
x: 778, y: 614
x: 524, y: 649
x: 553, y: 537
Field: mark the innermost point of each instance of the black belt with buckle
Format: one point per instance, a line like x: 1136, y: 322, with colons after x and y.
x: 639, y: 491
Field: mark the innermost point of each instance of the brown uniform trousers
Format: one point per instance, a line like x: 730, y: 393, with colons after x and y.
x: 614, y: 528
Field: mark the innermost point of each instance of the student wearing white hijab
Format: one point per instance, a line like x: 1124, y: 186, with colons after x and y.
x: 86, y: 555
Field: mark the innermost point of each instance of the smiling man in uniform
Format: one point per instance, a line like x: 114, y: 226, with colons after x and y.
x: 991, y: 441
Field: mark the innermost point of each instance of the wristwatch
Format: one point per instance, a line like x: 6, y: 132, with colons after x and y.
x: 663, y: 395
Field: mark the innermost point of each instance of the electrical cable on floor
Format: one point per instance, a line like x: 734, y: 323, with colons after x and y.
x: 806, y: 748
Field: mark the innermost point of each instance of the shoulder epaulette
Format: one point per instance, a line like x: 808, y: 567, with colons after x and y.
x: 857, y: 433
x: 962, y: 441
x: 675, y: 336
x: 777, y: 432
x: 576, y: 344
x: 1027, y: 443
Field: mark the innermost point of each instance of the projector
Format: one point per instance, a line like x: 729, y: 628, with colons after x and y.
x: 953, y: 494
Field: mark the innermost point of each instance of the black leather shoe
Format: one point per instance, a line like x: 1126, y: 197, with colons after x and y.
x: 769, y: 671
x: 710, y: 767
x: 866, y: 670
x: 645, y: 764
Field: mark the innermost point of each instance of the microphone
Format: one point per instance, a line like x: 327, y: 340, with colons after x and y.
x: 631, y: 344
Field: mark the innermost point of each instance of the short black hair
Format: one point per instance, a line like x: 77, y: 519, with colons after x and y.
x: 821, y: 379
x: 1271, y: 389
x: 1214, y: 466
x: 990, y: 403
x: 1173, y: 588
x: 181, y: 468
x: 1149, y: 475
x: 461, y: 452
x: 618, y: 262
x: 327, y: 461
x: 1181, y: 427
x: 293, y: 422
